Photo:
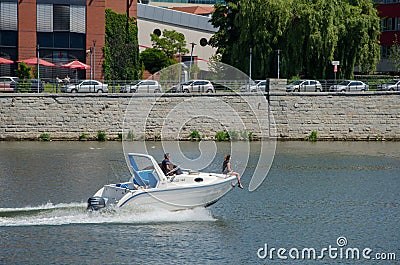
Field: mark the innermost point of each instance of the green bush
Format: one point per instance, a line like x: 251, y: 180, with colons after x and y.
x: 101, y: 136
x: 313, y: 136
x: 250, y: 136
x: 233, y: 135
x: 45, y: 137
x: 131, y: 136
x: 195, y: 135
x: 83, y: 137
x: 222, y: 136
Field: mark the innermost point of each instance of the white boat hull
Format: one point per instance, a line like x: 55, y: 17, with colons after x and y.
x: 150, y: 188
x: 178, y: 198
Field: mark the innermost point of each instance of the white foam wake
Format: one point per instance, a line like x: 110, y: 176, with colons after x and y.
x: 75, y: 213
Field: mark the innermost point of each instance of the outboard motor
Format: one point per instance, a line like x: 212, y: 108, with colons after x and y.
x: 96, y: 203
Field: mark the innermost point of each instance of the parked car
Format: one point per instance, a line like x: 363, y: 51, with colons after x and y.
x: 220, y: 87
x: 30, y: 85
x: 86, y: 86
x: 8, y: 83
x: 258, y: 85
x: 349, y: 85
x: 194, y: 86
x: 393, y: 85
x: 304, y: 86
x: 141, y: 86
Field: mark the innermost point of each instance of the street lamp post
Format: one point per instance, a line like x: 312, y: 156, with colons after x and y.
x: 279, y: 51
x: 191, y: 58
x: 94, y: 59
x: 251, y: 55
x: 90, y: 52
x: 179, y: 69
x: 38, y: 76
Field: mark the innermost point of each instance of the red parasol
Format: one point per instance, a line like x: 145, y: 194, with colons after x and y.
x: 5, y: 61
x: 76, y: 65
x: 34, y: 61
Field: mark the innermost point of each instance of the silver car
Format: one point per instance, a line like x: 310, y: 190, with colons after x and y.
x: 197, y: 86
x: 258, y: 85
x: 393, y: 85
x: 304, y: 86
x: 8, y: 83
x: 142, y: 86
x: 86, y: 86
x: 349, y: 85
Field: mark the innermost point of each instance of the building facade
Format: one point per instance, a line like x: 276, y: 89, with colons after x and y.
x: 389, y: 12
x: 59, y: 31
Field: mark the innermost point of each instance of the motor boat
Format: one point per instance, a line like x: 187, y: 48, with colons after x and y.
x: 148, y: 186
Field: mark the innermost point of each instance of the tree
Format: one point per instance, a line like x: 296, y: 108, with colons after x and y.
x: 394, y: 55
x: 171, y: 43
x: 309, y: 34
x: 23, y: 72
x: 154, y: 60
x: 121, y: 49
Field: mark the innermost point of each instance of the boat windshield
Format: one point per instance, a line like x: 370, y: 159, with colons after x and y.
x: 145, y: 173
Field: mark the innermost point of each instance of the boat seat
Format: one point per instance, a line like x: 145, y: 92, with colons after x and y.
x: 145, y: 178
x: 138, y: 180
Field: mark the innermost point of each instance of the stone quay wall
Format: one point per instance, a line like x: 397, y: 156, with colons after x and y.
x: 289, y: 116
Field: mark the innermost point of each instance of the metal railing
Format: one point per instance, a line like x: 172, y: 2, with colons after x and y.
x: 114, y: 86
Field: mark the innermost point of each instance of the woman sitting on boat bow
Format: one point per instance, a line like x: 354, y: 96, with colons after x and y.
x: 226, y: 169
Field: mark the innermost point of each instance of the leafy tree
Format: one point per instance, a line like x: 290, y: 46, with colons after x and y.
x: 171, y: 43
x: 154, y: 60
x: 23, y: 72
x: 121, y: 49
x: 394, y: 55
x: 309, y: 34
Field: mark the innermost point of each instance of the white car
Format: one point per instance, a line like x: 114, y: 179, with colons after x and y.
x: 86, y: 86
x: 393, y: 85
x: 304, y: 86
x: 197, y: 86
x: 148, y: 86
x: 8, y: 83
x: 258, y: 85
x: 349, y: 85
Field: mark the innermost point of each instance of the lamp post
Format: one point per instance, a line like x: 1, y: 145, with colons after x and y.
x: 38, y: 76
x: 279, y: 51
x: 179, y: 69
x: 94, y: 59
x: 251, y: 55
x: 191, y: 58
x: 90, y: 52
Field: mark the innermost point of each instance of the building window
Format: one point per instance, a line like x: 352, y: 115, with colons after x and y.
x: 78, y: 19
x: 391, y: 23
x: 44, y: 18
x: 398, y: 23
x: 61, y: 18
x: 8, y: 16
x: 385, y: 52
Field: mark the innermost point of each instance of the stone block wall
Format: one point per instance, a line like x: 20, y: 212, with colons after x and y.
x: 364, y: 116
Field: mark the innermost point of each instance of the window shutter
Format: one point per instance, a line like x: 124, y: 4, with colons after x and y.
x: 44, y: 18
x: 61, y: 18
x: 8, y: 16
x: 78, y: 19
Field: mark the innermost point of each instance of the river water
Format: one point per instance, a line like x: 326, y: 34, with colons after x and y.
x: 333, y: 195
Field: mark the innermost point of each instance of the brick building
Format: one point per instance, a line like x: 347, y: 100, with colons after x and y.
x: 389, y: 12
x: 64, y: 30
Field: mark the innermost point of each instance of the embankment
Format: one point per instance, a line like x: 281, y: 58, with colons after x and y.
x: 335, y: 116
